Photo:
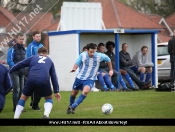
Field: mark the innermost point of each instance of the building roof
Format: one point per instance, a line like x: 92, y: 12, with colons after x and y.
x: 163, y: 38
x: 119, y: 15
x: 154, y: 17
x: 7, y: 19
x: 171, y: 20
x: 39, y: 22
x: 53, y: 26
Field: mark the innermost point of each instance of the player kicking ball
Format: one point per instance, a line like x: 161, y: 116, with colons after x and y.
x: 41, y: 68
x: 88, y: 63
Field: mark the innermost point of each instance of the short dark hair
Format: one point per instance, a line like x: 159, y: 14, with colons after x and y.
x: 101, y: 44
x: 19, y: 34
x: 91, y: 46
x: 109, y: 43
x: 35, y: 32
x: 85, y: 47
x: 143, y: 47
x: 95, y: 45
x: 123, y: 44
x: 42, y: 50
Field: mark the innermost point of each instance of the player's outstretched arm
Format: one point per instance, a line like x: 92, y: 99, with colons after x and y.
x: 74, y: 68
x: 58, y: 96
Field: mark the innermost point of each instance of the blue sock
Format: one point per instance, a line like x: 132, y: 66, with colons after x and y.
x: 72, y: 99
x: 49, y: 100
x: 141, y: 76
x: 101, y: 80
x: 78, y: 101
x: 108, y: 81
x: 148, y: 76
x: 128, y: 78
x: 21, y: 102
x: 122, y: 82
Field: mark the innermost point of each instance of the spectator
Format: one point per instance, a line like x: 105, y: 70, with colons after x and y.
x: 102, y: 75
x: 5, y: 85
x: 170, y: 51
x: 32, y: 49
x: 110, y: 47
x: 126, y: 62
x: 16, y: 54
x: 141, y: 64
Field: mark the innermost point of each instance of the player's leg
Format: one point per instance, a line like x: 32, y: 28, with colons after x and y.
x: 101, y: 80
x: 108, y: 81
x: 73, y: 96
x: 87, y: 85
x: 81, y: 97
x: 20, y: 106
x: 142, y: 71
x: 72, y: 100
x: 75, y: 89
x: 149, y: 73
x: 128, y: 78
x: 123, y: 83
x: 48, y: 106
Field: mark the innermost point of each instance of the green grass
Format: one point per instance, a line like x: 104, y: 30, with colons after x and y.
x: 140, y: 104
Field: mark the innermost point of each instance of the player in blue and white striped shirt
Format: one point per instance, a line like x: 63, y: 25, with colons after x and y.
x: 88, y: 63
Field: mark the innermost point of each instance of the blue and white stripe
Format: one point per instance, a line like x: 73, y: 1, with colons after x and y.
x: 88, y: 67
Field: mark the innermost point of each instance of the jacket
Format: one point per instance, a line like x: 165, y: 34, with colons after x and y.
x: 141, y: 60
x: 32, y: 48
x: 170, y: 49
x: 16, y: 54
x: 5, y: 85
x: 112, y: 57
x: 125, y: 59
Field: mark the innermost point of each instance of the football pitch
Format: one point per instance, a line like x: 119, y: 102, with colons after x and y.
x: 138, y: 104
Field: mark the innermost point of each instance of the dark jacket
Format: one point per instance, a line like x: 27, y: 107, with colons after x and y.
x: 16, y: 54
x: 103, y: 64
x: 112, y: 57
x: 171, y: 48
x: 5, y: 85
x: 125, y: 59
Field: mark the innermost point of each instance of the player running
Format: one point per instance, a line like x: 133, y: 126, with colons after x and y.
x: 88, y: 63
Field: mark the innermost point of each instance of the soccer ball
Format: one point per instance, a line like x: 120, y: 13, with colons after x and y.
x: 107, y: 108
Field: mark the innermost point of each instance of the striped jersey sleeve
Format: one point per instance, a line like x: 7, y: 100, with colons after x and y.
x: 88, y: 67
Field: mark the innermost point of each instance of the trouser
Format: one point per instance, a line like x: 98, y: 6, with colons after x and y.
x: 173, y: 68
x: 172, y: 73
x: 18, y: 84
x: 35, y: 99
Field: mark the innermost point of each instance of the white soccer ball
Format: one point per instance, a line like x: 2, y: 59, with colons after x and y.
x: 107, y: 108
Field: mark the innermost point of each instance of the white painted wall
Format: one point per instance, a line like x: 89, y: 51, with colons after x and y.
x: 135, y: 42
x: 97, y: 38
x: 81, y: 15
x: 64, y: 52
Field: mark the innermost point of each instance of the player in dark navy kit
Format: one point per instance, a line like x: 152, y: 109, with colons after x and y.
x: 5, y: 85
x: 41, y: 69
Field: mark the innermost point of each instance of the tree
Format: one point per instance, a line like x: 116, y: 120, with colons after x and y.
x: 163, y: 8
x: 16, y: 5
x: 19, y: 5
